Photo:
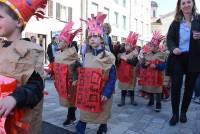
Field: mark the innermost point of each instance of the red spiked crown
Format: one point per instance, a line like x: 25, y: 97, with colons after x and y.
x: 132, y: 38
x: 157, y: 38
x: 67, y: 35
x: 27, y: 8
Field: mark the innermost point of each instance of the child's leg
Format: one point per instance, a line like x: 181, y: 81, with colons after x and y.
x: 102, y: 129
x: 71, y: 116
x: 158, y: 102
x: 123, y: 96
x: 151, y: 99
x: 80, y: 127
x: 132, y: 97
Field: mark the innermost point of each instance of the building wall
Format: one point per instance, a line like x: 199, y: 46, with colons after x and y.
x: 128, y: 11
x: 141, y: 19
x: 48, y: 27
x: 166, y: 21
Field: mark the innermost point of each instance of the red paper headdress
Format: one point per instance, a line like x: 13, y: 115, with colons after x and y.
x: 132, y: 38
x: 67, y: 35
x: 95, y: 24
x: 27, y: 8
x: 157, y: 38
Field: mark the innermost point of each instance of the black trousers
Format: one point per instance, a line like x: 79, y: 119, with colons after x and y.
x: 180, y: 68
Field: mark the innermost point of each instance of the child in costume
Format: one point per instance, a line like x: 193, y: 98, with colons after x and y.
x: 96, y: 80
x: 151, y: 73
x: 64, y: 68
x: 21, y: 69
x: 126, y: 71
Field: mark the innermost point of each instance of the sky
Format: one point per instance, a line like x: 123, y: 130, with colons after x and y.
x: 165, y: 6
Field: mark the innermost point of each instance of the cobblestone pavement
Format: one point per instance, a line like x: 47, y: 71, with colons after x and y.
x: 128, y: 119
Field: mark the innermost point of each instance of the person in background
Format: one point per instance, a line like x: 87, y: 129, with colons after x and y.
x: 52, y: 49
x: 107, y: 39
x: 183, y: 41
x: 33, y: 39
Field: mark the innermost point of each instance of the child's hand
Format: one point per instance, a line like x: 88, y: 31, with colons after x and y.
x: 123, y: 57
x: 74, y: 83
x: 2, y: 131
x: 6, y: 105
x: 147, y: 63
x: 104, y: 98
x: 152, y: 66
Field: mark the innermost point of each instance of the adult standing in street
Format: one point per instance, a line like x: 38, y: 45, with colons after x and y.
x: 52, y: 49
x: 183, y: 41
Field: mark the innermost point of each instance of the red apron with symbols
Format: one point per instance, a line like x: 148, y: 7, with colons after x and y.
x: 125, y: 72
x: 9, y: 125
x: 150, y: 76
x: 89, y: 89
x: 62, y: 81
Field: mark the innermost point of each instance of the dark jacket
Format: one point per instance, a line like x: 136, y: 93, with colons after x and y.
x: 30, y: 94
x: 194, y: 48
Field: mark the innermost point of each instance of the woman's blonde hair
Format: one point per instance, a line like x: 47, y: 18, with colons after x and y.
x: 179, y: 14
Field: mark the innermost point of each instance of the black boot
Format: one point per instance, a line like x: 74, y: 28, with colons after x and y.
x: 151, y: 99
x: 174, y: 120
x: 123, y: 96
x: 183, y: 118
x: 158, y: 102
x: 70, y: 116
x: 132, y: 97
x: 102, y: 129
x: 158, y: 107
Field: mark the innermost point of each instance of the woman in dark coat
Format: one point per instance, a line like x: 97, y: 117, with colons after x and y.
x: 183, y: 41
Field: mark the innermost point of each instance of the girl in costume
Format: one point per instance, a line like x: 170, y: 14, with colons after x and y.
x: 96, y: 80
x: 64, y: 70
x: 126, y: 71
x: 151, y: 73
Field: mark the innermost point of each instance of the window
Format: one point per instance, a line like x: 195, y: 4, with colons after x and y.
x: 124, y: 3
x: 69, y: 13
x: 94, y: 8
x: 116, y: 1
x: 50, y: 8
x: 142, y: 29
x: 124, y: 22
x: 114, y: 38
x: 116, y: 18
x: 123, y: 40
x: 61, y: 12
x: 136, y: 25
x: 57, y: 10
x: 154, y: 13
x: 107, y: 11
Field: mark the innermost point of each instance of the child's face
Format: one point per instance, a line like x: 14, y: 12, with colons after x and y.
x: 95, y: 41
x: 7, y: 24
x: 129, y: 48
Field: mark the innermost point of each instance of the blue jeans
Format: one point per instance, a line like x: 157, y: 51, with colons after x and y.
x: 197, y: 87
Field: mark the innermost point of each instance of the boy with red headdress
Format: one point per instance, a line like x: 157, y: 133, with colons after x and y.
x: 21, y: 69
x: 151, y: 73
x: 64, y: 70
x: 126, y: 71
x: 96, y: 79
